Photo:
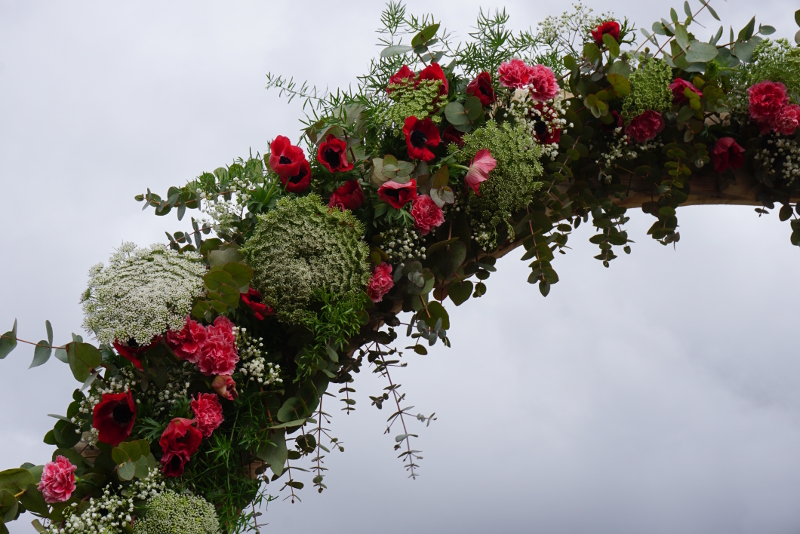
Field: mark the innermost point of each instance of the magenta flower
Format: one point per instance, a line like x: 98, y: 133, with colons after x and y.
x: 58, y: 480
x: 482, y: 164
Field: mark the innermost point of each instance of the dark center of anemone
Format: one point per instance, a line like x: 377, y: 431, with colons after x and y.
x: 540, y: 128
x: 484, y: 90
x: 418, y: 139
x: 393, y: 193
x: 284, y: 160
x: 296, y: 179
x: 122, y: 414
x: 332, y: 157
x: 132, y: 343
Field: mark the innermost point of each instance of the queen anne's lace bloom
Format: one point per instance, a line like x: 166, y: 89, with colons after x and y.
x: 142, y: 293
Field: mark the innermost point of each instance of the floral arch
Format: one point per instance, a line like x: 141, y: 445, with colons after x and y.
x: 215, y: 350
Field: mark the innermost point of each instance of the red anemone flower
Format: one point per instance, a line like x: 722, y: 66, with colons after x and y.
x: 609, y: 27
x: 178, y: 443
x: 727, y: 154
x: 482, y: 88
x: 435, y: 72
x: 451, y: 135
x: 252, y: 300
x: 398, y: 195
x: 402, y: 76
x: 420, y: 134
x: 113, y: 417
x: 349, y: 196
x: 333, y: 155
x: 285, y: 158
x: 132, y: 351
x: 300, y: 181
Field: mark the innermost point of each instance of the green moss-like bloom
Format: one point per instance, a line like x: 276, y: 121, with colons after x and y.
x: 649, y: 89
x: 420, y: 102
x: 512, y: 183
x: 776, y: 61
x: 173, y: 513
x: 302, y: 247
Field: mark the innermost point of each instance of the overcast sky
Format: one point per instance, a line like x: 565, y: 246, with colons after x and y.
x: 661, y: 395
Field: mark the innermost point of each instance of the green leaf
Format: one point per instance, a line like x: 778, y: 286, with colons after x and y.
x: 710, y: 10
x: 459, y: 291
x: 132, y: 449
x: 701, y: 52
x: 673, y: 14
x: 797, y: 17
x: 49, y: 328
x: 33, y: 500
x: 473, y: 108
x: 41, y: 353
x: 766, y: 30
x: 82, y: 358
x: 797, y: 37
x: 437, y: 312
x: 119, y: 455
x: 214, y: 279
x: 747, y: 32
x: 275, y: 453
x: 425, y: 35
x: 293, y: 408
x: 682, y: 36
x: 591, y: 52
x: 685, y: 114
x: 687, y: 9
x: 126, y: 471
x: 241, y: 273
x: 8, y: 506
x: 445, y: 257
x: 785, y: 213
x: 16, y: 479
x: 223, y: 256
x: 61, y: 354
x: 455, y: 113
x: 8, y: 341
x: 612, y: 44
x: 396, y: 50
x: 620, y: 84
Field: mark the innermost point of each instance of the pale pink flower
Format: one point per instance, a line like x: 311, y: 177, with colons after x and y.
x: 482, y: 164
x: 58, y: 480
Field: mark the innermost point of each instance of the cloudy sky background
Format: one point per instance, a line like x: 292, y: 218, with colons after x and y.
x: 660, y: 395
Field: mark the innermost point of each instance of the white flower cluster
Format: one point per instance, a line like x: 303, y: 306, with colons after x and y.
x: 482, y: 237
x: 142, y: 293
x: 787, y: 150
x: 111, y: 513
x: 254, y: 365
x: 625, y: 149
x: 403, y: 244
x: 540, y: 119
x: 225, y: 212
x: 566, y: 28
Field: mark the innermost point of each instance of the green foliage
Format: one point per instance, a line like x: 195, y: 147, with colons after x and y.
x: 649, y: 89
x: 420, y: 102
x: 174, y: 513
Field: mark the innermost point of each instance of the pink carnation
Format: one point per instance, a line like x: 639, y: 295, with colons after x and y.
x: 514, y: 74
x: 543, y: 83
x: 678, y: 88
x: 787, y: 120
x: 207, y: 413
x: 646, y: 126
x: 186, y: 343
x: 381, y: 282
x: 427, y: 214
x: 225, y: 387
x: 766, y: 100
x: 727, y: 154
x: 58, y: 480
x: 218, y: 354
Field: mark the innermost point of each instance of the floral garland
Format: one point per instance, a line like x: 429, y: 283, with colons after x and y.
x: 215, y: 352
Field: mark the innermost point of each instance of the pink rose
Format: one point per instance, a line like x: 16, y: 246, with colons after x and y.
x: 186, y: 343
x: 427, y: 215
x: 766, y: 100
x: 58, y: 480
x: 514, y: 74
x: 218, y: 354
x: 646, y: 126
x: 482, y: 164
x: 727, y: 154
x: 543, y: 84
x: 381, y: 282
x: 225, y: 387
x: 207, y: 413
x: 678, y: 88
x: 787, y: 120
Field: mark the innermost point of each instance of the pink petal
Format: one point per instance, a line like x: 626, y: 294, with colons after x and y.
x: 482, y: 164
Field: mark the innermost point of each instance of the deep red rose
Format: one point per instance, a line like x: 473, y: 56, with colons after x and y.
x: 514, y: 74
x: 543, y: 83
x: 207, y: 413
x: 58, y: 480
x: 225, y: 387
x: 333, y: 155
x: 766, y: 100
x: 402, y: 76
x: 435, y: 72
x: 609, y: 27
x: 218, y: 354
x: 787, y: 120
x: 427, y: 214
x: 285, y: 158
x: 300, y: 181
x: 178, y: 443
x: 381, y: 282
x: 186, y: 343
x: 678, y: 88
x: 727, y: 154
x: 113, y: 417
x: 398, y: 195
x: 349, y: 196
x: 252, y: 299
x: 451, y: 135
x: 420, y: 134
x: 132, y: 351
x: 482, y: 88
x: 646, y: 126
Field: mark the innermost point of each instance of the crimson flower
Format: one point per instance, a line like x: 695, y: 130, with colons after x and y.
x: 787, y: 120
x: 766, y: 100
x: 401, y: 77
x: 285, y: 158
x: 482, y: 87
x: 207, y: 413
x: 451, y: 135
x: 58, y: 480
x: 398, y: 195
x: 225, y: 387
x: 381, y: 282
x: 616, y: 122
x: 609, y: 27
x: 113, y: 417
x: 252, y: 300
x: 420, y: 134
x: 646, y: 126
x: 186, y: 343
x: 349, y: 196
x: 435, y: 72
x: 299, y: 182
x: 678, y: 88
x: 132, y: 351
x: 333, y: 155
x: 727, y: 154
x: 482, y: 164
x: 218, y: 354
x: 179, y: 442
x: 427, y: 214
